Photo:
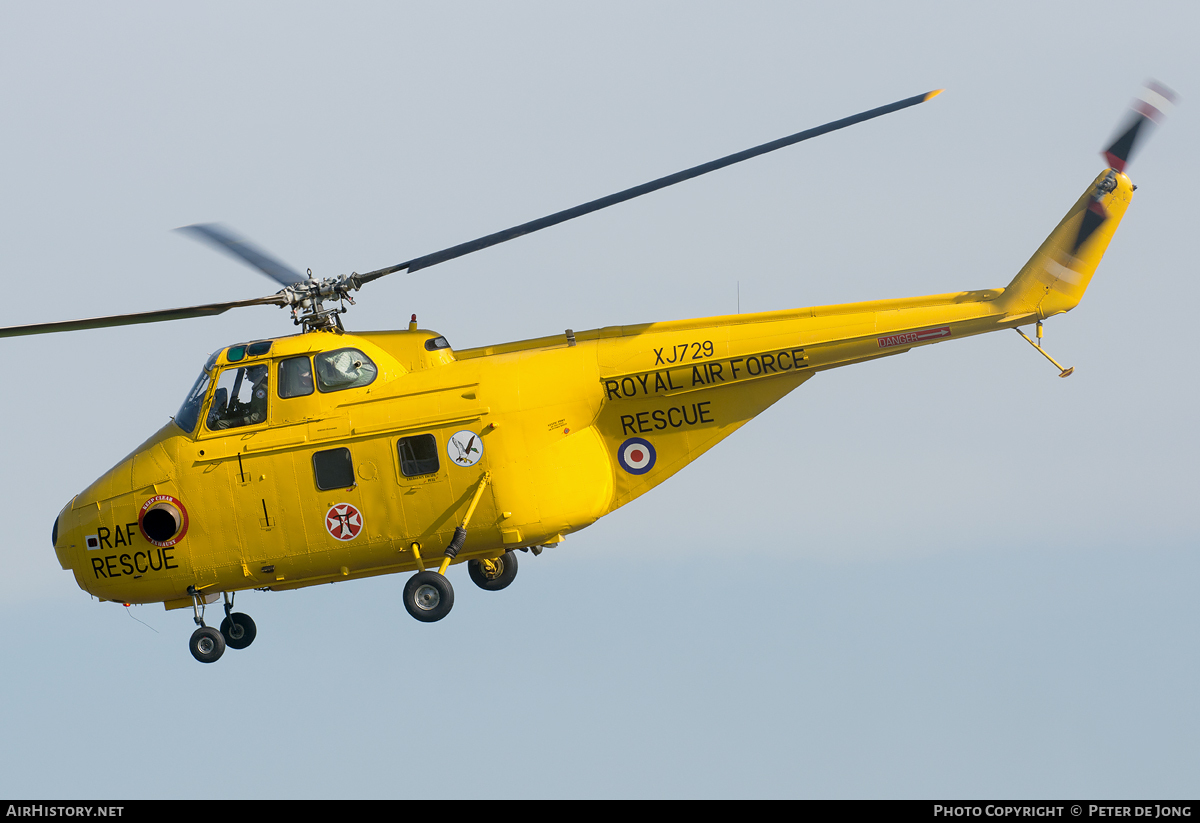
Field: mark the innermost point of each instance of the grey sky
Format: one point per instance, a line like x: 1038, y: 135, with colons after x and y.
x: 946, y: 574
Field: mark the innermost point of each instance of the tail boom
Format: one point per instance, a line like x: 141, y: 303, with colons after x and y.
x: 1052, y: 282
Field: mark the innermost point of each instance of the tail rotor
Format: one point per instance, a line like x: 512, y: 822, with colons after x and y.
x: 1153, y: 104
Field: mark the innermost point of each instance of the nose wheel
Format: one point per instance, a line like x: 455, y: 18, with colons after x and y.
x: 208, y: 644
x: 238, y: 630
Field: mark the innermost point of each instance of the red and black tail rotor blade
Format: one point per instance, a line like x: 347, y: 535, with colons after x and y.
x: 1093, y: 218
x: 1152, y: 105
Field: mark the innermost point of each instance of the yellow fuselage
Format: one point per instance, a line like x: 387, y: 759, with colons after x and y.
x: 569, y: 428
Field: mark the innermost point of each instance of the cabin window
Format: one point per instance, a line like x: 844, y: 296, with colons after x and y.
x: 295, y: 377
x: 240, y: 398
x: 344, y: 369
x: 333, y: 469
x: 435, y: 343
x: 189, y: 412
x: 418, y: 455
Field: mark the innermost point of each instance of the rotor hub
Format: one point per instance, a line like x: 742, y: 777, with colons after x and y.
x: 307, y: 300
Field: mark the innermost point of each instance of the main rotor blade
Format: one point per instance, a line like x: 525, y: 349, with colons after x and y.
x: 140, y: 317
x: 637, y: 191
x: 228, y: 242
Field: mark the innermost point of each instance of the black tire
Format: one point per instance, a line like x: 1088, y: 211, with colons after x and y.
x: 428, y: 596
x: 494, y: 581
x: 207, y: 644
x: 238, y: 630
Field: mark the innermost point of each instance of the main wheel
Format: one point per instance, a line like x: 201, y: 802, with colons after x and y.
x: 428, y: 596
x: 238, y: 630
x: 207, y: 644
x: 495, y: 574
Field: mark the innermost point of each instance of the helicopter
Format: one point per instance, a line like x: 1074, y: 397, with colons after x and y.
x: 331, y: 455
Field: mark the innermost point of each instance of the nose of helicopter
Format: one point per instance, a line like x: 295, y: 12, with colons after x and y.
x: 65, y: 534
x: 107, y: 517
x: 54, y: 535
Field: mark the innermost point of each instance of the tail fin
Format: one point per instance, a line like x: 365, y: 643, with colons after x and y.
x: 1055, y: 278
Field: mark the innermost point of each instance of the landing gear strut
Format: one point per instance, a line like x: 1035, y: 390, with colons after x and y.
x: 428, y: 596
x: 207, y: 644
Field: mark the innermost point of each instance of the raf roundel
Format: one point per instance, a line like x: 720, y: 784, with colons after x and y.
x: 636, y: 455
x: 343, y: 521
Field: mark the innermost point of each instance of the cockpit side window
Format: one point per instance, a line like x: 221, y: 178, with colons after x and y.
x: 344, y: 369
x: 240, y: 398
x: 295, y: 377
x: 189, y: 412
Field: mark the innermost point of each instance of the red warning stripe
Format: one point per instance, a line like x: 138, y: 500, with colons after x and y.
x: 911, y: 337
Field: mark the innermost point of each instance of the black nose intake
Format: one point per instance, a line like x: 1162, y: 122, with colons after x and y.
x: 162, y: 522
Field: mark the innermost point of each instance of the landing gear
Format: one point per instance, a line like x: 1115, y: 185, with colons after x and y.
x: 495, y: 574
x: 237, y: 628
x: 207, y: 644
x: 428, y: 596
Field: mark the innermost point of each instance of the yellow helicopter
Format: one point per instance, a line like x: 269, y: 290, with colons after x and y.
x: 328, y: 455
